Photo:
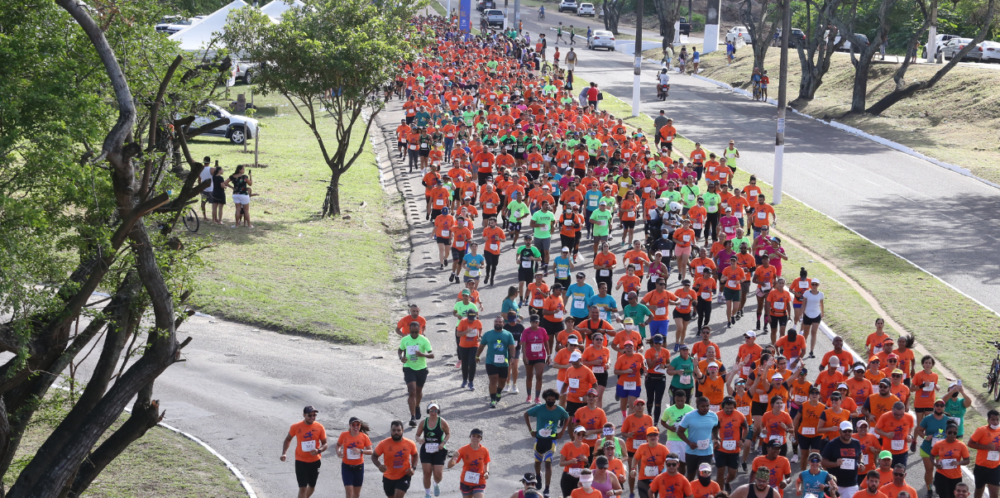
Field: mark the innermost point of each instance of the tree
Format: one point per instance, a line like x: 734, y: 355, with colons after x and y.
x: 761, y: 26
x: 668, y: 12
x: 612, y: 14
x: 816, y: 51
x: 862, y: 63
x: 65, y: 88
x: 334, y: 57
x: 904, y: 90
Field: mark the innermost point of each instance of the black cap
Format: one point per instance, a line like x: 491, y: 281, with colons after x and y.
x: 774, y: 444
x: 309, y: 409
x: 476, y: 432
x: 529, y: 478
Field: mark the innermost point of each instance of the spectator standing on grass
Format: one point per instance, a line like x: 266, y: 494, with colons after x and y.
x: 218, y: 193
x: 310, y: 442
x: 730, y: 52
x: 206, y: 195
x: 239, y: 181
x: 668, y: 55
x: 592, y: 95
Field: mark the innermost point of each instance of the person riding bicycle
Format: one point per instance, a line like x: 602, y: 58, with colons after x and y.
x: 541, y: 12
x: 664, y: 83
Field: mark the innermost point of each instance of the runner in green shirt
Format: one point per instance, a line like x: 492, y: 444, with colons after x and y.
x: 414, y: 349
x: 638, y: 312
x: 689, y: 194
x: 674, y: 413
x: 601, y: 220
x: 515, y: 213
x: 542, y: 221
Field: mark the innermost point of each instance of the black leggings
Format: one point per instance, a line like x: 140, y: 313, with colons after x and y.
x: 568, y: 483
x: 655, y: 386
x: 468, y: 358
x: 945, y: 486
x: 704, y: 312
x: 491, y: 266
x: 414, y: 160
x: 711, y: 225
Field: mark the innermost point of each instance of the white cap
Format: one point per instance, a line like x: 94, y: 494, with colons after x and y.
x: 777, y: 376
x: 846, y: 426
x: 573, y: 340
x: 842, y: 386
x: 750, y: 333
x: 575, y: 356
x: 835, y: 361
x: 705, y: 467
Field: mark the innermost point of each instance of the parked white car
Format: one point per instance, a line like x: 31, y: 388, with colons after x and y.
x: 586, y: 9
x: 602, y: 39
x: 738, y: 32
x: 941, y: 40
x: 239, y: 129
x: 172, y: 24
x: 495, y: 18
x: 991, y: 51
x: 567, y: 6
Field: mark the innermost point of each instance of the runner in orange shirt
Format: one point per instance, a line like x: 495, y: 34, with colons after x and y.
x: 778, y: 301
x: 683, y: 237
x: 687, y: 299
x: 732, y: 278
x: 896, y: 430
x: 475, y: 460
x: 629, y: 367
x: 400, y: 460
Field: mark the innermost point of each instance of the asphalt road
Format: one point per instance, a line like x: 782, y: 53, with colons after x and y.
x: 898, y: 201
x: 240, y: 388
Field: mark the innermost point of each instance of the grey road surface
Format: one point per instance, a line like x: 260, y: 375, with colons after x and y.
x: 898, y: 201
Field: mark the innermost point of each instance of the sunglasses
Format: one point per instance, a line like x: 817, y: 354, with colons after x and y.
x: 898, y: 474
x: 671, y: 465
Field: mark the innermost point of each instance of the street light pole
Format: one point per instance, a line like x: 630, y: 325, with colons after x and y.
x: 638, y: 58
x: 779, y: 141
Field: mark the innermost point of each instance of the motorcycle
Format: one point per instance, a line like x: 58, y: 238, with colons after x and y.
x: 662, y: 91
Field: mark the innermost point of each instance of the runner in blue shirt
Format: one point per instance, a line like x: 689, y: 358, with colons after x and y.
x: 581, y: 292
x: 698, y: 429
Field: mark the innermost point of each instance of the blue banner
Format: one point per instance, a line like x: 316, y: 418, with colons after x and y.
x: 465, y: 16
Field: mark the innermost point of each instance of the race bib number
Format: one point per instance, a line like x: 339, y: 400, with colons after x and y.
x: 605, y: 273
x: 432, y: 447
x: 445, y: 233
x: 746, y: 371
x: 499, y: 358
x: 706, y: 295
x: 686, y: 379
x: 353, y: 453
x: 459, y: 244
x: 413, y: 147
x: 928, y: 387
x: 575, y: 472
x: 864, y: 459
x: 739, y: 215
x: 651, y: 470
x: 898, y: 444
x: 629, y: 386
x: 714, y: 408
x: 545, y: 432
x: 308, y: 446
x: 745, y: 410
x: 472, y: 333
x: 732, y: 283
x: 729, y: 445
x: 439, y: 202
x: 562, y: 272
x: 762, y: 398
x: 779, y: 305
x: 574, y: 383
x: 536, y: 348
x: 559, y: 315
x: 526, y: 263
x: 598, y: 369
x: 568, y: 223
x: 471, y: 476
x: 489, y: 205
x: 808, y: 431
x: 412, y: 350
x: 703, y: 444
x: 696, y: 226
x: 685, y: 301
x: 800, y: 398
x: 662, y: 310
x: 494, y: 247
x: 779, y: 439
x: 630, y: 214
x: 636, y: 443
x: 577, y: 304
x: 949, y: 463
x: 761, y: 215
x: 803, y: 285
x: 536, y: 303
x: 848, y: 464
x: 686, y: 238
x: 993, y: 456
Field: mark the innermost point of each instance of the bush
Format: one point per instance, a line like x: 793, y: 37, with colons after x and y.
x: 697, y: 23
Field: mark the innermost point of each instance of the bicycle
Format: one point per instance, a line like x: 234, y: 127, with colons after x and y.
x: 757, y: 93
x: 541, y: 15
x: 992, y: 384
x: 191, y: 220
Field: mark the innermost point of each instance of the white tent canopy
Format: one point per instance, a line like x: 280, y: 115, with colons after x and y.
x: 198, y: 36
x: 277, y: 8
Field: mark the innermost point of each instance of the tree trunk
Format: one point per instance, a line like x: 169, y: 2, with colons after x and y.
x: 902, y: 92
x: 667, y: 12
x: 612, y: 14
x: 331, y: 205
x: 760, y: 33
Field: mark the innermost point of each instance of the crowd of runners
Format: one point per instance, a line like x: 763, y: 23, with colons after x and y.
x: 512, y: 161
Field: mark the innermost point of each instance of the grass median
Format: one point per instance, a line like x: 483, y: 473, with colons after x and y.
x: 955, y: 122
x: 296, y: 272
x: 161, y: 463
x: 952, y: 327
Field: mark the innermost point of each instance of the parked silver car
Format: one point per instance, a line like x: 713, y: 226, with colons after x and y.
x: 738, y: 32
x: 567, y: 6
x: 495, y: 18
x: 239, y: 129
x: 602, y: 39
x: 955, y: 45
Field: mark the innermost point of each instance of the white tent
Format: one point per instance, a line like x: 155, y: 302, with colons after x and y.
x: 198, y: 36
x: 276, y: 8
